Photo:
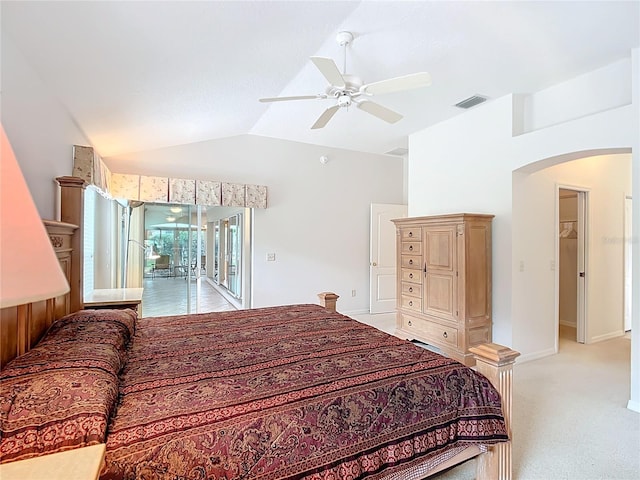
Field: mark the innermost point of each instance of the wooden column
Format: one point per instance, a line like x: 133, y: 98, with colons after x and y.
x: 328, y: 300
x: 496, y: 363
x: 72, y: 211
x: 24, y: 328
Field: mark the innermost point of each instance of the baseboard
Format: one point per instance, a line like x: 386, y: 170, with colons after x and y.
x: 606, y: 336
x: 528, y: 357
x: 567, y: 323
x: 350, y: 313
x: 633, y: 405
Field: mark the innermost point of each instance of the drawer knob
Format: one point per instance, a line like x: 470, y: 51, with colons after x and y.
x: 410, y: 248
x: 409, y: 323
x: 410, y: 289
x: 411, y: 261
x: 411, y: 275
x: 411, y: 234
x: 411, y: 303
x: 444, y: 334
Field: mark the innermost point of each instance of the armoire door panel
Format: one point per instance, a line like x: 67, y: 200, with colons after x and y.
x: 439, y: 295
x: 439, y: 248
x: 440, y: 263
x: 477, y: 296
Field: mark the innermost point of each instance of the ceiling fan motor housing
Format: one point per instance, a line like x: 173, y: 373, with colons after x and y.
x: 344, y: 94
x: 344, y: 100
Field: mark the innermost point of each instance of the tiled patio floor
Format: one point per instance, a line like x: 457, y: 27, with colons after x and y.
x: 168, y: 296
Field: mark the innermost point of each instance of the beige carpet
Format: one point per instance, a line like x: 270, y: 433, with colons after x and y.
x: 570, y: 416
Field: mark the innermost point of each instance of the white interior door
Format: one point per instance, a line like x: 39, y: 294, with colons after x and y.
x: 572, y: 215
x: 382, y: 257
x: 582, y: 228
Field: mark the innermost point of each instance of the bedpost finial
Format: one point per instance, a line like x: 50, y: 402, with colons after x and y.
x: 494, y: 353
x: 328, y: 300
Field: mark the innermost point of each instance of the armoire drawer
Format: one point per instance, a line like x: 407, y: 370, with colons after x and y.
x: 409, y: 275
x: 411, y: 289
x: 411, y: 233
x: 411, y: 261
x: 411, y: 248
x: 429, y: 331
x: 411, y: 303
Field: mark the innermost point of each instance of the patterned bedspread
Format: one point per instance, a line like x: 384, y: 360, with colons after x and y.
x: 288, y: 393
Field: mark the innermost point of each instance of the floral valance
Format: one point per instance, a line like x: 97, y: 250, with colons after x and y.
x: 90, y: 167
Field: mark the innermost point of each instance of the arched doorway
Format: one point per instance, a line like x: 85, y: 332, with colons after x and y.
x: 536, y: 231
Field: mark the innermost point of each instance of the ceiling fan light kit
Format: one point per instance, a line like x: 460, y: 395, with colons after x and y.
x: 349, y: 89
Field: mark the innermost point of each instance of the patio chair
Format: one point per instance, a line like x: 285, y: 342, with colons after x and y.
x: 203, y: 262
x: 162, y: 264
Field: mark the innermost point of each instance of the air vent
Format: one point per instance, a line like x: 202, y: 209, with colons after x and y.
x: 397, y: 151
x: 471, y: 101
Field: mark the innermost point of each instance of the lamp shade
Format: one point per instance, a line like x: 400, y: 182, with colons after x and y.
x: 30, y: 270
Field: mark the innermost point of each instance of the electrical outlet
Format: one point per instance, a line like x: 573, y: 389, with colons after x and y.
x: 353, y: 293
x: 271, y: 257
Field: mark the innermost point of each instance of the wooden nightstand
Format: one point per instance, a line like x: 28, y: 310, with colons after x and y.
x: 114, y: 298
x: 77, y: 464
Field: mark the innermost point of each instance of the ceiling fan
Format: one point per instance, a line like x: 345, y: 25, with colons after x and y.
x: 351, y: 90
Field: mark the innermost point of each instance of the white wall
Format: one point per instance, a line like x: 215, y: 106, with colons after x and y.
x: 462, y: 165
x: 41, y: 131
x: 317, y: 221
x: 634, y: 401
x: 566, y: 101
x: 466, y: 164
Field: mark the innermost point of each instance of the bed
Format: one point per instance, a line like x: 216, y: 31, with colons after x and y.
x: 288, y: 392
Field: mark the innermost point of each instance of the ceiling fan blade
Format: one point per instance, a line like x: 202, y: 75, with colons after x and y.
x: 329, y: 69
x: 379, y: 111
x: 299, y: 97
x: 398, y: 84
x: 325, y: 117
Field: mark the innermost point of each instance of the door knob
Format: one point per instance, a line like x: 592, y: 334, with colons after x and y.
x: 374, y: 264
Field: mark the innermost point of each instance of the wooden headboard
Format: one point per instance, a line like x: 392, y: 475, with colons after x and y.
x: 23, y: 325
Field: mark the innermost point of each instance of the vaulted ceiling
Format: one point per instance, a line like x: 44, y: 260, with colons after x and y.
x: 143, y: 75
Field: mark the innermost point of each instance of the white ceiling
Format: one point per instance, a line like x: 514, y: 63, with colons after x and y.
x: 144, y: 75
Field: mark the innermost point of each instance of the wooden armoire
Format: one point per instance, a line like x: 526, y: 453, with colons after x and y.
x: 444, y: 281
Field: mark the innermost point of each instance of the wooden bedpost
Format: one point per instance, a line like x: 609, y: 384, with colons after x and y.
x: 72, y: 211
x: 496, y: 363
x: 328, y: 300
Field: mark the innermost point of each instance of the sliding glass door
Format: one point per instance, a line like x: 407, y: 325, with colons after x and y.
x: 234, y: 256
x: 179, y: 254
x: 229, y: 249
x: 175, y: 269
x: 195, y: 260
